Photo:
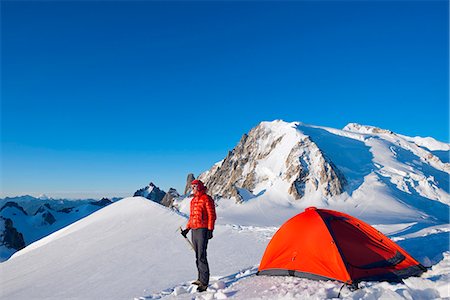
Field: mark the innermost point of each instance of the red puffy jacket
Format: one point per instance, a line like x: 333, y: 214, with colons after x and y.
x: 203, y: 212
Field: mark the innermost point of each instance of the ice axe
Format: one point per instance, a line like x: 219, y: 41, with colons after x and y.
x: 187, y: 240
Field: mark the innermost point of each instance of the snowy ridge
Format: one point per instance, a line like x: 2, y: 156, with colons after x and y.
x: 427, y: 142
x: 367, y: 129
x: 118, y: 252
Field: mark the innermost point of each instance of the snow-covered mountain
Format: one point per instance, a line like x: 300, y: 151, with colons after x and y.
x: 275, y: 155
x: 25, y: 219
x: 364, y: 170
x: 132, y: 248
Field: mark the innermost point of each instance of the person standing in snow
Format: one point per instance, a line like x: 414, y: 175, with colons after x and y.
x: 201, y: 220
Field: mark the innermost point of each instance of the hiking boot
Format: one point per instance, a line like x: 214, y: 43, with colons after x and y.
x: 197, y: 282
x: 201, y: 288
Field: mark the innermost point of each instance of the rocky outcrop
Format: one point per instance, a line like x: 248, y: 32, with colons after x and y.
x: 48, y: 218
x: 151, y: 192
x: 310, y: 170
x: 66, y: 210
x: 189, y: 179
x: 169, y: 197
x: 10, y: 237
x: 223, y: 179
x: 43, y: 209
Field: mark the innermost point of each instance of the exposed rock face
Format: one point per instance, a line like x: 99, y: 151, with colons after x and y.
x: 310, y: 170
x: 169, y: 197
x: 190, y: 178
x: 66, y: 210
x: 223, y: 178
x: 10, y: 237
x: 45, y: 212
x: 271, y: 151
x: 103, y: 202
x: 43, y: 209
x: 151, y: 192
x: 15, y: 205
x: 48, y: 218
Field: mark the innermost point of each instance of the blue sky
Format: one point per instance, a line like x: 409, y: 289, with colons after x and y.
x: 99, y: 98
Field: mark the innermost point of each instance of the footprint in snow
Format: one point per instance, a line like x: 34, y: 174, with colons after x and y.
x: 216, y: 289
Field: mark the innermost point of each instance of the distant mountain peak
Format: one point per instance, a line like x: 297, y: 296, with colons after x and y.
x: 13, y: 205
x: 151, y: 192
x: 44, y: 208
x: 189, y: 179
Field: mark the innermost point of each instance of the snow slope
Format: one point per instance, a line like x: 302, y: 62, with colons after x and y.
x: 36, y: 218
x: 127, y: 249
x: 246, y: 285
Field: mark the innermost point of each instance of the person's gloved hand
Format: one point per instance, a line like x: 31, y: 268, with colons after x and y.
x: 184, y: 232
x: 210, y: 234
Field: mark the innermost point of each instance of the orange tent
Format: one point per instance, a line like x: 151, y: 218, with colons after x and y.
x: 329, y: 245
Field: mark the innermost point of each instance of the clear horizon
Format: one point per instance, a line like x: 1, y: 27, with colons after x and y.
x: 100, y: 98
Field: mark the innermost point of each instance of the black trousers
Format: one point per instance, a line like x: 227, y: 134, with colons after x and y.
x: 200, y: 242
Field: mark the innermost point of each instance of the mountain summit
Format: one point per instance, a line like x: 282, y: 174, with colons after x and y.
x: 361, y: 169
x: 275, y: 154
